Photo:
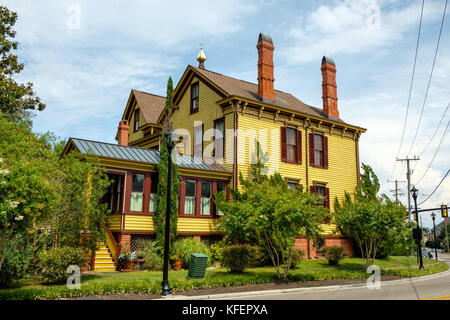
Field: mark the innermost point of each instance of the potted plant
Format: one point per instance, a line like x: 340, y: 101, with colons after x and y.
x: 177, y: 262
x: 127, y: 258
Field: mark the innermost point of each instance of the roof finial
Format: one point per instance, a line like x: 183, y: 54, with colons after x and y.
x: 201, y: 57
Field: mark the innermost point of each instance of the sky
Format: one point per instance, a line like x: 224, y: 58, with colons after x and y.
x: 84, y: 57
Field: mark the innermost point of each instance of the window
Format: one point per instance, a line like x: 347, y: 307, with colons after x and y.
x: 114, y: 195
x: 318, y: 150
x: 292, y: 184
x: 291, y: 145
x: 137, y: 192
x: 219, y: 134
x: 153, y: 193
x: 322, y: 191
x: 136, y: 120
x: 221, y: 186
x: 205, y: 208
x: 194, y: 97
x: 198, y: 141
x: 189, y: 200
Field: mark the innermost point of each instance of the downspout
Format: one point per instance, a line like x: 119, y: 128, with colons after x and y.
x: 235, y: 164
x: 308, y: 241
x: 358, y: 172
x: 306, y: 153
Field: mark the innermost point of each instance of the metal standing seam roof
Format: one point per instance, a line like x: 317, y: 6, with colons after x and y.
x: 115, y: 151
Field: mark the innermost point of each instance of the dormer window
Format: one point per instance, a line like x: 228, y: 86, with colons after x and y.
x: 194, y: 97
x: 136, y: 120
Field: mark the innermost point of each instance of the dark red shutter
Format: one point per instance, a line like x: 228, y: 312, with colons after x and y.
x: 325, y: 152
x: 312, y: 189
x: 283, y: 144
x: 299, y: 146
x: 311, y: 149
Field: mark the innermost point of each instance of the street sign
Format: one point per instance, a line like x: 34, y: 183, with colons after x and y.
x: 444, y: 212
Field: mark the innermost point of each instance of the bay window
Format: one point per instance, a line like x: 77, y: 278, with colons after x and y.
x: 205, y: 208
x: 137, y: 192
x: 189, y: 199
x: 153, y: 193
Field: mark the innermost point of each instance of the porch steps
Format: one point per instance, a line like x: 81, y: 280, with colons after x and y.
x: 103, y: 259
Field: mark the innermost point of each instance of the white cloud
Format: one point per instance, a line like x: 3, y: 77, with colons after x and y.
x: 347, y: 27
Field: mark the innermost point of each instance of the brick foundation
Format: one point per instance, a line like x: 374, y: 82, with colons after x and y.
x: 301, y: 243
x: 125, y: 241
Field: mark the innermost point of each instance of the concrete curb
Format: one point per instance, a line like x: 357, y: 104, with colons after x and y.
x: 310, y: 289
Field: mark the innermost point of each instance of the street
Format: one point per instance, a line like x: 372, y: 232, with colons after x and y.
x: 437, y: 288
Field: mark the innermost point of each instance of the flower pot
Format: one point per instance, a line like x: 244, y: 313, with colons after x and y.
x: 129, y: 265
x: 177, y: 264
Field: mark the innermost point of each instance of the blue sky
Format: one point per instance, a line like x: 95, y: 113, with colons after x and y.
x: 84, y: 72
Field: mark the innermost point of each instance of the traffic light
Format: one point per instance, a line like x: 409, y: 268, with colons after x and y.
x: 415, y: 216
x: 444, y: 212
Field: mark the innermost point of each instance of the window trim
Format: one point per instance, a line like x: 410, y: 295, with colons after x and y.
x: 144, y: 208
x: 312, y: 150
x: 134, y: 120
x: 284, y: 144
x: 197, y: 83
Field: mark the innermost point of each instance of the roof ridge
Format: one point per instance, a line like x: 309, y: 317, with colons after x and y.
x: 152, y: 94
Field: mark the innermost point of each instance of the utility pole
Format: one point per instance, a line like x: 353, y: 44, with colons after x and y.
x: 408, y: 178
x: 397, y: 190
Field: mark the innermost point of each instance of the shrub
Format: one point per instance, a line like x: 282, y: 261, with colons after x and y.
x: 238, y: 257
x: 54, y: 262
x: 216, y: 251
x: 17, y: 259
x: 152, y: 259
x: 188, y: 246
x: 297, y: 256
x: 333, y: 254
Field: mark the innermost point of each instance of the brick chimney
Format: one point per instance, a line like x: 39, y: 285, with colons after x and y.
x: 265, y: 68
x: 329, y: 88
x: 123, y: 132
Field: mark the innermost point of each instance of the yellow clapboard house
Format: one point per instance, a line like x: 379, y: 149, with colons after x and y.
x: 218, y: 121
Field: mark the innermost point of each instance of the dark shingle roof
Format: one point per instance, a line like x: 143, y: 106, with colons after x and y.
x: 115, y: 151
x: 248, y: 90
x: 151, y: 105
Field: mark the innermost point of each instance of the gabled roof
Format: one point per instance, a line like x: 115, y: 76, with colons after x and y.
x: 248, y: 90
x: 151, y: 105
x: 136, y: 154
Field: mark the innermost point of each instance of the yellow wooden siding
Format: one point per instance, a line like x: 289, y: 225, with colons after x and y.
x: 138, y: 134
x: 340, y: 176
x: 114, y: 221
x: 142, y: 223
x: 196, y: 225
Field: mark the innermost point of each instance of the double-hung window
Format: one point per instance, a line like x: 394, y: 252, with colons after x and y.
x: 205, y: 208
x: 137, y: 192
x: 136, y: 120
x: 291, y: 145
x: 198, y: 141
x: 153, y: 193
x: 219, y: 134
x: 221, y: 186
x: 318, y: 150
x: 194, y: 97
x: 189, y: 199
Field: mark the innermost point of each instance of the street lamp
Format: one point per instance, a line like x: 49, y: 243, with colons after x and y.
x: 433, y: 216
x: 165, y: 282
x: 414, y: 193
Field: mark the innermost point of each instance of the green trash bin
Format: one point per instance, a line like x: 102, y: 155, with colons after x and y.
x: 197, y: 266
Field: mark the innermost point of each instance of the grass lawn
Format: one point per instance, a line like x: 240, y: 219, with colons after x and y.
x: 150, y: 281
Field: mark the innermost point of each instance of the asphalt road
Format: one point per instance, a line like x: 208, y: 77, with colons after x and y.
x: 437, y: 288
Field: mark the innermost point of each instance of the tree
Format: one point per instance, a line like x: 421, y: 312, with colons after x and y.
x: 16, y: 100
x: 160, y: 215
x: 369, y: 219
x: 269, y: 213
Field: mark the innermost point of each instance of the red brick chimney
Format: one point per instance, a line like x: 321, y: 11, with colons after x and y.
x: 265, y: 67
x: 123, y: 132
x: 329, y: 88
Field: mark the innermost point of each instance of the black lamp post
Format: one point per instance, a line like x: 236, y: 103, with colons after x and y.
x: 433, y: 216
x: 415, y: 192
x: 165, y: 283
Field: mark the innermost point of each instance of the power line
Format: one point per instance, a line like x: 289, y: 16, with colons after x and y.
x: 429, y: 80
x: 434, y: 189
x: 435, y: 153
x: 410, y: 88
